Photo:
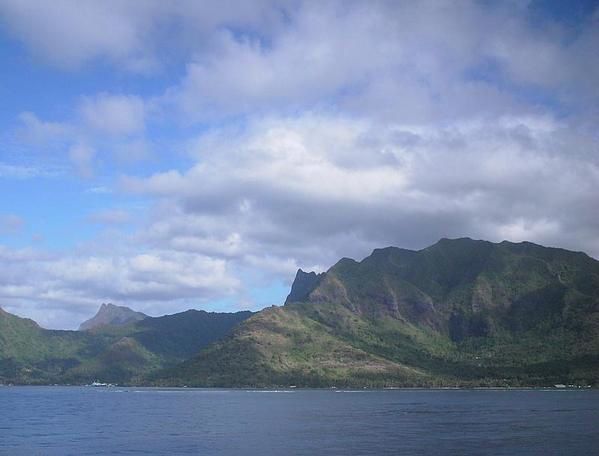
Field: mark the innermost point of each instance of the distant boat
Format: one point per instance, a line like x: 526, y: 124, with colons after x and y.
x: 100, y: 384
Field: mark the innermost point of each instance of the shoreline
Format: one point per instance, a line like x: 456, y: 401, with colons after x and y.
x: 331, y: 389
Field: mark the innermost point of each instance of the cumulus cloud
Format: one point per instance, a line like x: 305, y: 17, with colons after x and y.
x: 33, y: 282
x: 82, y: 157
x: 113, y: 123
x: 113, y: 114
x: 327, y: 129
x: 412, y: 61
x: 68, y: 33
x: 134, y: 35
x: 315, y: 188
x: 38, y: 131
x: 133, y: 151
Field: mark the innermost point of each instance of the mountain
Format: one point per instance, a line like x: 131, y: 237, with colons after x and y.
x: 111, y: 315
x: 303, y: 284
x: 30, y: 354
x: 460, y: 312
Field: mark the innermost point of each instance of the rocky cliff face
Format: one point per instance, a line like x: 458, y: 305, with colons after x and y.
x: 463, y: 287
x: 303, y: 285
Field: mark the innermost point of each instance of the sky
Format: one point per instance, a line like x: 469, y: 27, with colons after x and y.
x: 184, y: 154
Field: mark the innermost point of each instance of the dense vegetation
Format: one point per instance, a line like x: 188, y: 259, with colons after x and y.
x: 117, y: 354
x: 459, y: 312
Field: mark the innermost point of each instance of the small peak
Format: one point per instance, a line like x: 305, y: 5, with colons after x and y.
x: 346, y: 261
x: 388, y: 255
x: 300, y: 273
x: 460, y: 239
x: 111, y: 315
x: 342, y: 264
x: 303, y: 284
x: 382, y: 250
x: 390, y: 250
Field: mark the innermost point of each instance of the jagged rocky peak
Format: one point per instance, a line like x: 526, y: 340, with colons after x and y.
x: 112, y: 315
x: 303, y: 285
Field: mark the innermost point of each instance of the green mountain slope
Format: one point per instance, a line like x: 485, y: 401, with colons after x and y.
x: 30, y: 354
x: 119, y: 354
x: 459, y: 312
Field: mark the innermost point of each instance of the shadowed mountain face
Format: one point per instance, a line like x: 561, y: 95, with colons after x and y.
x: 111, y: 315
x: 461, y: 311
x: 303, y: 285
x: 110, y: 353
x: 464, y: 288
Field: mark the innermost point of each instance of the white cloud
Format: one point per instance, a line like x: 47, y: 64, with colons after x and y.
x: 134, y: 36
x: 134, y: 151
x: 82, y: 157
x: 156, y: 281
x: 409, y: 61
x: 284, y: 186
x: 113, y: 114
x: 107, y: 122
x: 353, y: 125
x: 70, y: 32
x: 37, y: 131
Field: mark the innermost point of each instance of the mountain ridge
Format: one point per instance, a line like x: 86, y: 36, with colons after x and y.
x: 460, y: 311
x: 122, y: 354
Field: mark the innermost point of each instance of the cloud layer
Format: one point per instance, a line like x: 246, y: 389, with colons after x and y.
x: 284, y: 134
x: 306, y: 186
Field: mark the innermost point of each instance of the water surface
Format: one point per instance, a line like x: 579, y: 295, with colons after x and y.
x: 90, y: 421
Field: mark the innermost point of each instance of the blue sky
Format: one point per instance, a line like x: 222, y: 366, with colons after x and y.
x: 195, y: 154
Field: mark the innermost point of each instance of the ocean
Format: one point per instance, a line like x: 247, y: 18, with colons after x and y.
x: 153, y: 421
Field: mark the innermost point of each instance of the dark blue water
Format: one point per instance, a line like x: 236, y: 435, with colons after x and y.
x: 83, y: 421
